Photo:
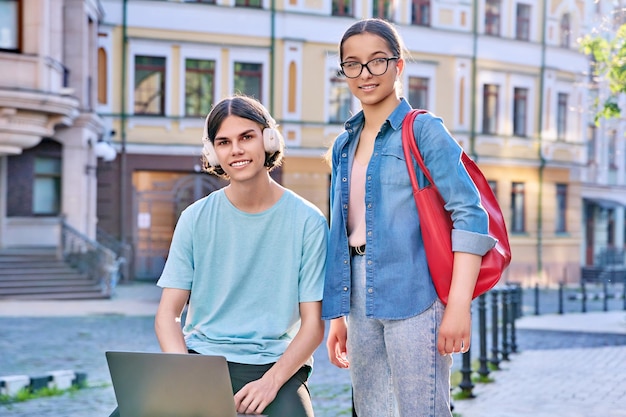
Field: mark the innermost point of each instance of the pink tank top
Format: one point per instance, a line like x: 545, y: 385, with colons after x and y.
x: 356, y: 205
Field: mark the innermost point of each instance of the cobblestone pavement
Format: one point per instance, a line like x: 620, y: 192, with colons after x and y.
x: 573, y: 373
x: 58, y: 340
x: 32, y: 346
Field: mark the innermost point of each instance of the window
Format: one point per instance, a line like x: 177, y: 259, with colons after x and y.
x: 490, y: 108
x: 47, y: 186
x: 522, y: 27
x: 518, y: 224
x: 520, y: 109
x: 102, y: 76
x: 199, y: 86
x: 248, y: 79
x: 565, y: 31
x: 292, y: 91
x: 421, y: 12
x: 339, y: 99
x: 492, y: 17
x: 592, y: 132
x: 35, y: 186
x: 561, y: 116
x: 610, y: 227
x: 10, y: 18
x: 418, y: 92
x: 561, y: 208
x: 149, y: 85
x: 612, y: 151
x: 249, y: 3
x: 342, y: 8
x: 383, y: 9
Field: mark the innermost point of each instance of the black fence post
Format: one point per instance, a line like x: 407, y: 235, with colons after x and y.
x: 466, y: 383
x: 520, y: 301
x: 513, y: 317
x: 505, y: 325
x: 605, y: 295
x: 495, y: 359
x: 624, y: 294
x: 483, y: 369
x: 560, y: 298
x: 536, y: 299
x: 583, y: 290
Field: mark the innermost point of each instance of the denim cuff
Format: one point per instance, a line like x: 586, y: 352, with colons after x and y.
x: 471, y: 242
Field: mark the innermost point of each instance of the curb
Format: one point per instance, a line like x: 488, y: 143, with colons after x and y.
x: 10, y: 385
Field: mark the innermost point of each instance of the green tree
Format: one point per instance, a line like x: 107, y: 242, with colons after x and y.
x: 609, y: 57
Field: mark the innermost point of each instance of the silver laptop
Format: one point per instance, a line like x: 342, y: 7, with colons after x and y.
x: 171, y: 385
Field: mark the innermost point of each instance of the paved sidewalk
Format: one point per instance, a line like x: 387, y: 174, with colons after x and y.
x: 134, y: 299
x: 569, y: 365
x: 572, y: 382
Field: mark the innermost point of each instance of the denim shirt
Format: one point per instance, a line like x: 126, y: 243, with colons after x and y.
x: 397, y: 278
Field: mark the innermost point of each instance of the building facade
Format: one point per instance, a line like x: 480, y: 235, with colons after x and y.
x: 507, y: 77
x: 49, y: 128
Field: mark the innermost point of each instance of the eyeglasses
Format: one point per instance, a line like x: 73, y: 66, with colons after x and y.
x: 376, y: 66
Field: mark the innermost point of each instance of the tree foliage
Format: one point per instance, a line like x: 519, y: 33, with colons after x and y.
x: 609, y: 56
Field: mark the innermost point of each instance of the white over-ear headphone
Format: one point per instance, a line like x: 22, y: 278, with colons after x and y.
x: 272, y: 141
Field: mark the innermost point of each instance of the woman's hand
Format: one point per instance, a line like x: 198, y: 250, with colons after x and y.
x: 336, y: 343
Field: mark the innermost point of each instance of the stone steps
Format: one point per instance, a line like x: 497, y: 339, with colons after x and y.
x: 36, y: 273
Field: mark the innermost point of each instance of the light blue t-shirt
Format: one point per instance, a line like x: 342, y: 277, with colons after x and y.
x: 247, y: 274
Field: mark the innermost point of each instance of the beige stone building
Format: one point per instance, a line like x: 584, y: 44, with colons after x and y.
x: 507, y: 77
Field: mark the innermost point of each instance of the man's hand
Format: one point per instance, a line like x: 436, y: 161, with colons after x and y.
x: 255, y: 396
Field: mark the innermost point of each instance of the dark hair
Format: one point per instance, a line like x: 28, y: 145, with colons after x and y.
x: 377, y: 27
x: 247, y: 108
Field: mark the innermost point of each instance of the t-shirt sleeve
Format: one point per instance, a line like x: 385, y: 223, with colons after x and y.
x: 313, y: 268
x: 179, y: 266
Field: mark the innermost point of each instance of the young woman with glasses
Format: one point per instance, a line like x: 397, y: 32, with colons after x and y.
x: 387, y: 324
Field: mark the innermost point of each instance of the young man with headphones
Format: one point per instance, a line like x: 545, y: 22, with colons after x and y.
x: 249, y: 259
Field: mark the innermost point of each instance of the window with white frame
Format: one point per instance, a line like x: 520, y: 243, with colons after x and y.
x: 248, y: 79
x: 561, y: 208
x: 520, y: 111
x: 10, y: 25
x: 492, y: 17
x: 149, y: 85
x: 490, y: 108
x: 383, y: 9
x: 592, y: 133
x: 561, y: 116
x: 342, y: 8
x: 522, y: 22
x: 418, y: 92
x: 47, y: 186
x: 612, y: 150
x: 565, y: 31
x: 420, y: 13
x: 199, y: 86
x: 339, y: 98
x: 518, y: 223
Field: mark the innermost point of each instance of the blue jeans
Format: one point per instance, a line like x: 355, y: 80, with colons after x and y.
x: 395, y: 367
